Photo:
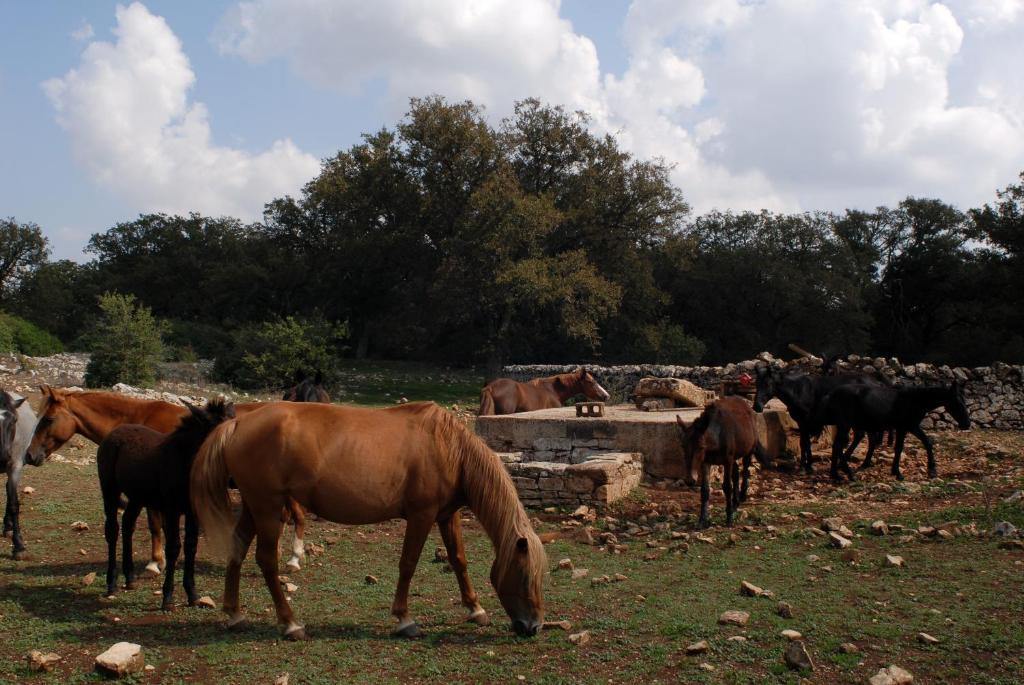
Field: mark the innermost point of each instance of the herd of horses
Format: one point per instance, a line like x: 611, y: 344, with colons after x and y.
x: 414, y: 461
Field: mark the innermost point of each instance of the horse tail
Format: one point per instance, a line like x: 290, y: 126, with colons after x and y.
x: 763, y: 458
x: 209, y: 488
x: 486, y: 402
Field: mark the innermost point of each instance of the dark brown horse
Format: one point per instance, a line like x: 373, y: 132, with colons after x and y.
x: 152, y: 469
x: 307, y: 389
x: 93, y: 414
x: 506, y: 396
x: 725, y: 435
x: 355, y: 466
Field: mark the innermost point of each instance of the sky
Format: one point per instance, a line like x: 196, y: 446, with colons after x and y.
x: 110, y: 110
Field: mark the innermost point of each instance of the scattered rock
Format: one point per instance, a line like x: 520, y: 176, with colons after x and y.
x: 734, y: 618
x: 894, y: 560
x: 845, y: 532
x: 584, y: 513
x: 751, y: 590
x: 28, y: 490
x: 925, y: 638
x: 848, y: 648
x: 578, y: 573
x: 893, y: 675
x: 371, y: 580
x: 946, y: 535
x: 281, y: 679
x: 619, y: 577
x: 89, y: 578
x: 880, y: 528
x: 80, y: 526
x: 785, y: 610
x: 120, y: 660
x: 926, y: 531
x: 832, y: 524
x: 737, y: 638
x: 797, y: 657
x: 206, y: 602
x: 1015, y: 497
x: 849, y: 555
x: 83, y: 552
x: 440, y: 555
x: 557, y: 625
x: 697, y: 648
x: 37, y: 661
x: 290, y: 587
x: 565, y: 564
x: 707, y: 667
x: 838, y: 541
x: 600, y: 580
x: 149, y: 668
x: 1004, y: 528
x: 581, y: 638
x: 791, y: 634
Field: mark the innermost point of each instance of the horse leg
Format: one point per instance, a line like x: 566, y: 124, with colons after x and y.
x: 858, y: 435
x: 728, y: 474
x: 897, y: 450
x: 245, y: 530
x: 838, y: 445
x: 451, y: 534
x: 14, y: 509
x: 919, y: 433
x: 172, y: 548
x: 417, y: 527
x: 746, y: 481
x: 110, y: 529
x: 268, y: 534
x: 705, y: 495
x: 298, y: 549
x: 805, y: 450
x: 874, y: 440
x: 844, y: 462
x: 157, y: 544
x: 191, y: 544
x: 128, y: 518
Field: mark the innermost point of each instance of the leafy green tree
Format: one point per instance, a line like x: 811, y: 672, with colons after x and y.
x: 6, y: 337
x: 22, y: 249
x: 125, y: 343
x: 268, y: 355
x: 59, y: 297
x: 27, y: 338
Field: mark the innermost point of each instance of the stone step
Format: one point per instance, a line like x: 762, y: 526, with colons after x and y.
x: 600, y: 478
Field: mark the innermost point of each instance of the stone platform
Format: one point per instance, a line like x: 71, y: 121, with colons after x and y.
x: 556, y: 457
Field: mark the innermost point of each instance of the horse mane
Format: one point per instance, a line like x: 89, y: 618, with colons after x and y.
x: 490, y: 493
x: 193, y: 429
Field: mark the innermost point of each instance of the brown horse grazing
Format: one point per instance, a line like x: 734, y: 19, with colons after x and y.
x: 506, y: 396
x: 353, y: 465
x: 723, y: 435
x: 152, y: 470
x: 307, y: 390
x: 93, y: 414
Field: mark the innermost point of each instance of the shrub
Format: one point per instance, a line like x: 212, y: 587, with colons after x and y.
x: 25, y: 337
x: 667, y: 343
x: 125, y: 343
x: 267, y: 355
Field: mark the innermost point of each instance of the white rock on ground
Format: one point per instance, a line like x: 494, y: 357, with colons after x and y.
x: 122, y: 659
x: 734, y: 618
x: 37, y: 661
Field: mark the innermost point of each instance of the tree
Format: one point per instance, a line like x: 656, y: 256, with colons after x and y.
x: 125, y: 343
x: 59, y: 297
x: 22, y: 249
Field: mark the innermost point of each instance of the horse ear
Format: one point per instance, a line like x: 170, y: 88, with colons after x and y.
x: 582, y: 372
x: 45, y: 390
x: 229, y: 410
x: 18, y: 402
x: 522, y: 545
x: 679, y: 420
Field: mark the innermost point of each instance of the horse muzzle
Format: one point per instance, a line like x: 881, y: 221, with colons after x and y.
x: 35, y: 458
x: 525, y: 628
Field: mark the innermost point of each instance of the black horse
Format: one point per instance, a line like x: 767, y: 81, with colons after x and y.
x: 306, y: 390
x: 152, y: 470
x: 802, y: 394
x: 871, y: 410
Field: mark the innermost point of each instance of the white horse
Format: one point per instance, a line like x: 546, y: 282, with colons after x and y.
x: 17, y: 424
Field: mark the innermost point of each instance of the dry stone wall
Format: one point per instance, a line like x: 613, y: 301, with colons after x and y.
x: 994, y: 394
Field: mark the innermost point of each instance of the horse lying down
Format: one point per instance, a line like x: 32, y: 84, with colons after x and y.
x: 872, y: 409
x: 723, y: 435
x: 152, y: 470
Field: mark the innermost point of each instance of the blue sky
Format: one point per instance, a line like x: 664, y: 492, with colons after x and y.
x: 221, y: 106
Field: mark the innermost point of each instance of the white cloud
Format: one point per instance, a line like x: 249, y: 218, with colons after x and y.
x: 83, y: 32
x: 131, y: 124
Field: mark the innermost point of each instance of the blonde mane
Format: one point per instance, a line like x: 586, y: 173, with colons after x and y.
x: 491, y: 494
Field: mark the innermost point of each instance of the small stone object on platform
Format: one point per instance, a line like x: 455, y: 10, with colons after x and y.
x: 590, y: 409
x: 685, y: 393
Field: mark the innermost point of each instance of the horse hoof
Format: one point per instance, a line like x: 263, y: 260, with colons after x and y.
x: 933, y: 474
x: 237, y: 622
x: 295, y: 634
x: 152, y: 569
x: 20, y: 555
x: 409, y: 631
x: 479, y: 617
x: 899, y: 476
x: 130, y: 585
x: 293, y: 566
x: 167, y: 606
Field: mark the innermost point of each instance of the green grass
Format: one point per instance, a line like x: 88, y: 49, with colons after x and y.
x: 966, y: 592
x: 382, y: 383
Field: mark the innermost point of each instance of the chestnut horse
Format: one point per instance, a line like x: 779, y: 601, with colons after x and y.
x: 725, y: 434
x: 506, y: 396
x: 93, y: 414
x: 353, y: 465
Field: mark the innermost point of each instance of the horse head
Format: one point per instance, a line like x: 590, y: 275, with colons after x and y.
x: 693, y: 448
x: 56, y: 425
x: 956, y: 406
x: 585, y: 384
x: 767, y: 380
x: 517, y: 575
x: 8, y: 424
